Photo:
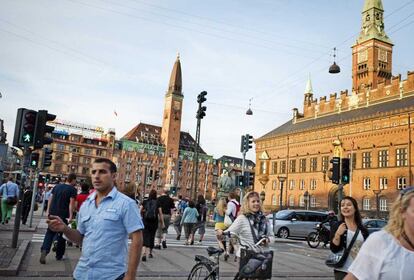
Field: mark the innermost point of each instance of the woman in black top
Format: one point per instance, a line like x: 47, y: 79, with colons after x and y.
x: 151, y: 212
x: 342, y: 232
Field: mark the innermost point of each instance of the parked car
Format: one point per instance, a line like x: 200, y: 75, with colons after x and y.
x: 297, y: 223
x: 374, y: 224
x: 270, y: 218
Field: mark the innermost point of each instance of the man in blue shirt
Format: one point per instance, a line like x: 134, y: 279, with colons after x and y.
x: 8, y: 189
x: 106, y: 219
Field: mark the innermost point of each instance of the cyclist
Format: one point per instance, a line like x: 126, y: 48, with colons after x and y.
x: 219, y: 212
x: 250, y: 221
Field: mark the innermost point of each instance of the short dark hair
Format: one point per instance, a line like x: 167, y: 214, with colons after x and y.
x: 201, y: 199
x: 191, y: 204
x: 85, y: 187
x: 112, y: 166
x: 152, y: 194
x: 71, y: 177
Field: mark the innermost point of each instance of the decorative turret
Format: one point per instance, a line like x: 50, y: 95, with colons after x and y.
x: 308, y: 91
x: 373, y: 22
x: 175, y: 86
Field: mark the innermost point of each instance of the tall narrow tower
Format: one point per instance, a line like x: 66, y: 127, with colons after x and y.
x: 171, y: 124
x: 372, y: 52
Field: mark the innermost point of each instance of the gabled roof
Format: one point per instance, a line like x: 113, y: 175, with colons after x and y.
x: 386, y: 108
x: 148, y: 133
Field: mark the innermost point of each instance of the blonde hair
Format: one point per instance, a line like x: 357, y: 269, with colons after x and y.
x: 395, y: 224
x: 245, y: 206
x: 221, y: 206
x: 129, y: 189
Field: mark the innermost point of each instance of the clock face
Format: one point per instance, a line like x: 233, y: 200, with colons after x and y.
x: 362, y: 56
x: 382, y: 55
x: 177, y: 105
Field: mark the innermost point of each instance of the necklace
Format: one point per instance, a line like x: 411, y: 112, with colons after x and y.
x: 404, y: 235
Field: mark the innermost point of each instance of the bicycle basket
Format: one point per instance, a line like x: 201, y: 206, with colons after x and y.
x: 256, y: 265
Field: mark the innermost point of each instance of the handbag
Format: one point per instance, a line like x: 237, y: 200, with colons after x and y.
x: 337, y: 260
x: 227, y: 220
x: 253, y: 264
x: 11, y: 201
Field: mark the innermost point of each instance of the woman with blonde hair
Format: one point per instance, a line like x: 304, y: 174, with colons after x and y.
x: 251, y: 224
x: 218, y: 217
x: 389, y: 253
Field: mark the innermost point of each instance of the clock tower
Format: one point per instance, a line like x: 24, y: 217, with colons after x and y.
x: 372, y: 52
x: 171, y: 124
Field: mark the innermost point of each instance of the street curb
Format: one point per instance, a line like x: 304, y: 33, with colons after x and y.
x: 14, y: 265
x: 279, y: 240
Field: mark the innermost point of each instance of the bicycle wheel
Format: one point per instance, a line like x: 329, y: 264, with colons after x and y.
x: 202, y: 271
x: 313, y: 240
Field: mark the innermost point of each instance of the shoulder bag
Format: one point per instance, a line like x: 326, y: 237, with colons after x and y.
x: 12, y: 200
x: 337, y: 260
x: 253, y: 264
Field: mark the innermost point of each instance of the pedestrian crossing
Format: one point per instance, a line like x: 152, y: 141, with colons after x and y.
x: 209, y: 240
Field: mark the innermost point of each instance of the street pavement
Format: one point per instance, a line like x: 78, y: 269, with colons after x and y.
x: 293, y: 260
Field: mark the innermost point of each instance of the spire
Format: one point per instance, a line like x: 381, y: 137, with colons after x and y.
x: 309, y: 86
x: 175, y: 85
x: 373, y: 22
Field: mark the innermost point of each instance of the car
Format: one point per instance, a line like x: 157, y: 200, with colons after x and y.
x: 296, y: 223
x: 270, y: 218
x: 374, y: 225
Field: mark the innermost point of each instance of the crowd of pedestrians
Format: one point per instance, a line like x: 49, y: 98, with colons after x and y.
x: 102, y: 213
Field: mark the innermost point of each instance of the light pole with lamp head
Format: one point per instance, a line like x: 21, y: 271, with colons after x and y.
x: 281, y: 180
x: 377, y: 193
x: 306, y: 198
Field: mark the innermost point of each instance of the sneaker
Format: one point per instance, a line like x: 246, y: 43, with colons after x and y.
x: 178, y: 237
x: 164, y: 244
x: 42, y: 259
x: 200, y: 242
x: 7, y: 221
x: 150, y: 256
x: 61, y: 258
x: 235, y: 258
x: 157, y: 247
x: 144, y: 258
x: 192, y: 242
x: 54, y: 246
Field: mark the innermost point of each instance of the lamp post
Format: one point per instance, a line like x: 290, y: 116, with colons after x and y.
x: 377, y: 193
x: 262, y: 196
x: 281, y: 180
x: 306, y: 198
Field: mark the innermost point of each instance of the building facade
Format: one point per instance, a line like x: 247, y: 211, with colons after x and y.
x: 372, y: 125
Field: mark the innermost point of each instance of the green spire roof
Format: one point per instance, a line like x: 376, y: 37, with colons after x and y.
x: 373, y: 22
x: 369, y: 4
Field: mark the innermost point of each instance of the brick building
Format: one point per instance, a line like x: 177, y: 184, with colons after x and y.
x: 164, y: 156
x: 371, y: 125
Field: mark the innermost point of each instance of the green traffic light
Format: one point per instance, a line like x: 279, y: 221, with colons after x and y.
x: 27, y: 138
x: 34, y: 163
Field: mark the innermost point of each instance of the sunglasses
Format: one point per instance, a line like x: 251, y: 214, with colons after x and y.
x: 406, y: 190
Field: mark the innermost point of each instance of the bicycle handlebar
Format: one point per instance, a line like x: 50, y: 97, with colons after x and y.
x: 263, y: 239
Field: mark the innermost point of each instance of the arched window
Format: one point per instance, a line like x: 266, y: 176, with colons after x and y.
x: 301, y: 201
x: 383, y: 204
x: 313, y: 201
x: 274, y: 199
x: 291, y: 201
x: 366, y: 204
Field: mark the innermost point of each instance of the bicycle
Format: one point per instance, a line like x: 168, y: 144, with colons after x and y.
x: 209, y: 268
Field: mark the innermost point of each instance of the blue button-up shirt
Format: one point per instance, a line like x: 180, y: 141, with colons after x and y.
x: 9, y: 189
x: 105, y: 232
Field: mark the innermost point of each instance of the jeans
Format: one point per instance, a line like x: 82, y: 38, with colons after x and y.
x: 48, y: 241
x: 6, y: 210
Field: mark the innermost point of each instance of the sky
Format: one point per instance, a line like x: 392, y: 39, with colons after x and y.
x: 83, y: 60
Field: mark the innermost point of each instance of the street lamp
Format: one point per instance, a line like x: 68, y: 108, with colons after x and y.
x: 377, y: 193
x: 306, y: 198
x: 282, y: 179
x: 262, y: 196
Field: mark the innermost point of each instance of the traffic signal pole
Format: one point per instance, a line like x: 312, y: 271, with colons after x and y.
x: 244, y: 180
x: 340, y: 187
x: 36, y: 182
x: 18, y: 215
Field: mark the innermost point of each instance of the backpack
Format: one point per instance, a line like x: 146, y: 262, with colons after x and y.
x: 202, y: 213
x: 238, y: 206
x: 150, y: 210
x: 181, y: 206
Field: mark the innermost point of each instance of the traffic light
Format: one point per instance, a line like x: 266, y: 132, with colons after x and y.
x: 47, y: 178
x: 173, y: 191
x: 333, y: 172
x: 345, y: 171
x: 34, y: 160
x: 239, y: 181
x: 249, y: 179
x: 202, y: 97
x: 201, y: 112
x: 157, y: 175
x: 47, y: 157
x: 25, y: 128
x: 42, y: 129
x: 242, y: 144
